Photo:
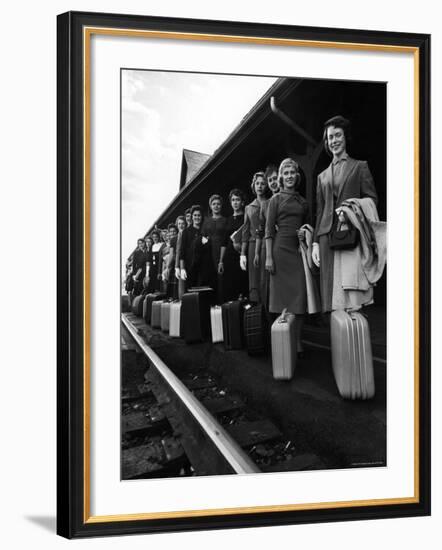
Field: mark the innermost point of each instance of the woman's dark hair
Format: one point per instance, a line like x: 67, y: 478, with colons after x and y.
x: 337, y: 121
x: 157, y: 233
x: 140, y: 239
x: 269, y: 170
x: 257, y: 175
x: 187, y: 211
x: 172, y: 226
x: 238, y: 193
x: 196, y: 207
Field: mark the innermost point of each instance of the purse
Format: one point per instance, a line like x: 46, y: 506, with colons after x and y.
x: 343, y: 235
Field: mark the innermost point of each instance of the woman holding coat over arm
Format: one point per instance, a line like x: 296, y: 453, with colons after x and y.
x: 345, y: 178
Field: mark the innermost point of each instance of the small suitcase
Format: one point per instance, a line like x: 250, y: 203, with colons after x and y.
x: 137, y: 305
x: 156, y: 313
x: 352, y: 359
x: 284, y: 346
x: 255, y: 329
x: 195, y: 314
x: 147, y: 305
x: 165, y: 316
x: 216, y: 323
x: 175, y: 320
x: 232, y: 314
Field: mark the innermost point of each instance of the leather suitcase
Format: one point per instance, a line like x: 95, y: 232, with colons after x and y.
x: 195, y: 314
x: 156, y: 313
x: 175, y: 320
x: 284, y: 350
x: 137, y: 305
x: 216, y: 323
x: 232, y: 313
x: 147, y: 305
x: 255, y: 329
x: 165, y: 316
x: 352, y: 358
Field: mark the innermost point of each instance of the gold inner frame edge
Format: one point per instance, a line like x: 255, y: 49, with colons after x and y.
x: 87, y: 33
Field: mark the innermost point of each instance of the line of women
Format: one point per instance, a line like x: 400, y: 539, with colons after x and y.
x: 256, y: 252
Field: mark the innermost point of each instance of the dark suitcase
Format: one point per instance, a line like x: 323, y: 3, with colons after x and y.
x: 352, y: 359
x: 255, y: 329
x: 147, y: 305
x: 137, y: 305
x: 232, y: 313
x: 195, y: 314
x: 156, y: 313
x: 284, y: 352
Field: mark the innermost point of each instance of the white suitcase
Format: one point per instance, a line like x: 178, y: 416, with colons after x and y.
x: 175, y: 320
x: 352, y: 359
x: 216, y: 322
x: 284, y: 352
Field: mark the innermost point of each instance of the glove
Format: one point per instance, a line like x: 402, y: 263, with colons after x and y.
x: 315, y: 255
x: 243, y: 262
x: 177, y: 272
x: 184, y: 275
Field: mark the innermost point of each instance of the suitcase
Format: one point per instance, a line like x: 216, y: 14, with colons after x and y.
x: 195, y: 314
x: 165, y: 316
x: 147, y: 305
x: 175, y: 320
x: 137, y: 305
x: 232, y: 314
x: 352, y: 358
x: 255, y: 329
x: 284, y: 346
x: 216, y: 324
x: 156, y: 313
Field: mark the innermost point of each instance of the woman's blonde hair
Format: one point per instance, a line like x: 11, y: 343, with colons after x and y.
x: 289, y: 162
x: 257, y: 175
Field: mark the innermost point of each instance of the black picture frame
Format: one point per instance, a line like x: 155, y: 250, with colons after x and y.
x: 72, y: 507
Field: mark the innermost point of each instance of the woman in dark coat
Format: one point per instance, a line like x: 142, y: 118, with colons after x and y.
x: 195, y: 255
x: 286, y: 213
x: 345, y: 178
x: 214, y: 229
x: 175, y: 245
x: 235, y: 280
x: 252, y: 261
x: 154, y: 261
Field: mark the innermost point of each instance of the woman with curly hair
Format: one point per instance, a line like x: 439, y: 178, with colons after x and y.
x: 235, y: 280
x: 249, y: 258
x: 286, y: 213
x: 214, y: 230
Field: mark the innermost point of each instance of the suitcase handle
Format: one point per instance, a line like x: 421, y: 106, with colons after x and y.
x: 283, y: 316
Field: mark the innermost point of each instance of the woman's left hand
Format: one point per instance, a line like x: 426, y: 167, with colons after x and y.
x: 341, y: 215
x: 220, y: 268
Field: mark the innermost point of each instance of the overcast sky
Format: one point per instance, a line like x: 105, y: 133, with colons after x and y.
x: 162, y: 114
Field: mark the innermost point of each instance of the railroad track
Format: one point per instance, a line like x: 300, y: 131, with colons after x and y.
x: 207, y: 427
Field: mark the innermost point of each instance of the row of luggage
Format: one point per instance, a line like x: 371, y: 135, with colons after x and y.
x: 240, y: 324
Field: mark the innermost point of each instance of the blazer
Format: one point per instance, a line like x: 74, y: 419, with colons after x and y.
x: 357, y: 183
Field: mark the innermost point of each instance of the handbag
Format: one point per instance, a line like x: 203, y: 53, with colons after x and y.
x: 343, y: 235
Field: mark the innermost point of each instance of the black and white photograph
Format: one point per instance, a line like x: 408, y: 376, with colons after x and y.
x: 253, y: 274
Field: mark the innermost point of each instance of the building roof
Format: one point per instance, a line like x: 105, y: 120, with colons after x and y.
x: 191, y: 164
